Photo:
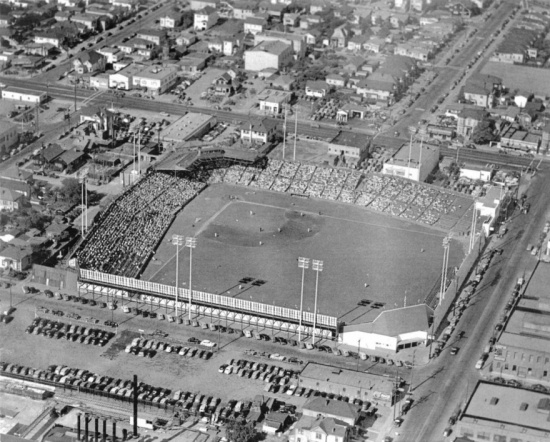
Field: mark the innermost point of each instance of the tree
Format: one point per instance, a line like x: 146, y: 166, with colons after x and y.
x: 483, y: 132
x: 240, y: 431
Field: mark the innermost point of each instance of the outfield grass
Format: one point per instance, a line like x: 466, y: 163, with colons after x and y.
x: 393, y: 257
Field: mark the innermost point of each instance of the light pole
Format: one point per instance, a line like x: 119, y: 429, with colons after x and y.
x: 191, y: 243
x: 318, y: 267
x: 303, y: 263
x: 177, y: 240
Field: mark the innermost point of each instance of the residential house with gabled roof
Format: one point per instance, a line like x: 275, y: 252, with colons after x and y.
x: 357, y: 42
x: 258, y: 131
x: 254, y: 25
x: 244, y: 9
x: 320, y: 429
x: 16, y: 258
x: 49, y: 154
x: 112, y: 55
x: 89, y: 62
x: 10, y: 200
x: 340, y: 37
x: 335, y: 80
x: 48, y: 37
x: 186, y: 39
x: 481, y: 89
x: 317, y: 89
x: 156, y: 36
x: 171, y: 21
x: 205, y: 18
x: 468, y: 119
x: 70, y: 161
x: 374, y: 44
x: 291, y: 19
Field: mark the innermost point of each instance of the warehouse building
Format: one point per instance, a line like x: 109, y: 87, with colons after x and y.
x: 414, y: 161
x: 191, y: 125
x: 14, y: 93
x: 499, y: 413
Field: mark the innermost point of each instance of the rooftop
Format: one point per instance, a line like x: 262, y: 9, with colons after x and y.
x: 156, y: 72
x: 496, y: 403
x: 184, y: 128
x: 273, y: 47
x: 413, y: 153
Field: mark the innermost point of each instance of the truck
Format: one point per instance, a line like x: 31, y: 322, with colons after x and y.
x: 143, y: 423
x: 481, y: 361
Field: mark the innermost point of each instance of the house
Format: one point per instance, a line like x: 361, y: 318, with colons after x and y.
x: 186, y: 39
x: 317, y: 89
x: 284, y: 82
x: 335, y: 80
x: 291, y: 20
x: 70, y: 161
x: 243, y: 10
x: 54, y: 38
x: 297, y: 41
x: 49, y: 154
x: 273, y: 101
x: 268, y: 54
x: 193, y: 63
x: 319, y: 429
x: 309, y: 21
x: 28, y: 61
x: 339, y: 38
x: 274, y: 11
x: 197, y: 5
x: 468, y: 119
x: 521, y: 99
x: 378, y: 87
x: 42, y: 49
x: 155, y: 36
x: 416, y: 51
x: 10, y: 200
x: 374, y: 44
x: 312, y: 37
x: 482, y: 90
x: 225, y: 85
x: 89, y: 62
x: 112, y: 55
x: 274, y: 422
x: 16, y: 258
x: 171, y: 21
x: 258, y: 131
x: 88, y: 20
x: 55, y: 230
x: 100, y: 81
x: 319, y: 407
x: 156, y: 79
x: 204, y: 19
x: 254, y: 25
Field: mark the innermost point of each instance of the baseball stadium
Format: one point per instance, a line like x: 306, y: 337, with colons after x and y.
x: 268, y: 244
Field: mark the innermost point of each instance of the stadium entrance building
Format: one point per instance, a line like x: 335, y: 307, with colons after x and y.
x: 392, y: 330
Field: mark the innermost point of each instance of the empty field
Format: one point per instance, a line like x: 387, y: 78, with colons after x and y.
x: 238, y: 237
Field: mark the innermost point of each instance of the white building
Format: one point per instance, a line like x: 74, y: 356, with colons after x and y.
x: 205, y: 19
x: 124, y: 79
x: 392, y: 330
x: 112, y: 55
x: 476, y: 172
x: 156, y: 79
x: 268, y: 55
x: 17, y: 94
x: 413, y: 162
x: 272, y: 101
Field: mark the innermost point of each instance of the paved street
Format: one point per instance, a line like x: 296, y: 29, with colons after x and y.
x: 441, y: 387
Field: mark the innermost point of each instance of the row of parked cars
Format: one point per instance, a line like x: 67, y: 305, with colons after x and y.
x: 70, y: 332
x: 76, y: 316
x: 150, y: 347
x: 258, y: 370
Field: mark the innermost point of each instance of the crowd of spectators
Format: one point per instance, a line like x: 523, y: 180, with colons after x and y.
x: 388, y: 194
x: 125, y: 239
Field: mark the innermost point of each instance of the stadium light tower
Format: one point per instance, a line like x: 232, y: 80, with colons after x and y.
x: 177, y: 240
x: 191, y: 243
x: 318, y: 267
x: 303, y: 263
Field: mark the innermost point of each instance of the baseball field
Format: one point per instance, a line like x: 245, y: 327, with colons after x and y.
x: 248, y: 244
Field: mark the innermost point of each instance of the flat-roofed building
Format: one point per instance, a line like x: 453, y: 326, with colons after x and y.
x: 272, y: 101
x: 523, y: 351
x: 18, y: 94
x: 156, y: 79
x: 350, y: 383
x: 353, y: 146
x: 498, y: 413
x: 124, y: 78
x: 191, y: 125
x: 413, y: 161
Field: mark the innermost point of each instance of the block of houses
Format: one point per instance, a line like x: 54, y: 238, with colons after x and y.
x: 89, y: 62
x: 468, y: 119
x: 273, y: 101
x: 204, y: 19
x: 258, y: 131
x: 155, y: 36
x: 254, y: 25
x: 171, y: 21
x: 482, y: 90
x: 268, y: 54
x: 156, y: 79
